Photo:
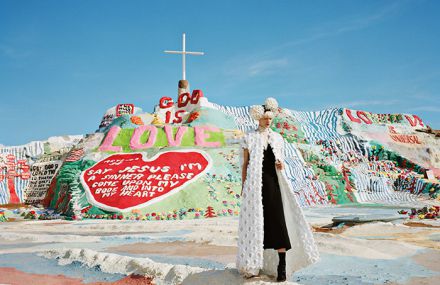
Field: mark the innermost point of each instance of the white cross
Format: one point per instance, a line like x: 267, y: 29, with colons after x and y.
x: 183, y: 53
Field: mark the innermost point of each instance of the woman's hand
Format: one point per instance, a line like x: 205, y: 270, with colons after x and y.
x: 279, y: 165
x: 244, y: 168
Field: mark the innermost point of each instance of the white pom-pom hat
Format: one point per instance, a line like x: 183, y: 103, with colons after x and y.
x: 267, y: 110
x: 271, y: 104
x: 256, y: 112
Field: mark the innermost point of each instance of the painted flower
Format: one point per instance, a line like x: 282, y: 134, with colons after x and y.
x: 194, y: 116
x: 136, y: 120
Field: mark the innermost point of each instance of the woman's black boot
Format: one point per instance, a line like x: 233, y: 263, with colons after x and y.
x: 281, y: 267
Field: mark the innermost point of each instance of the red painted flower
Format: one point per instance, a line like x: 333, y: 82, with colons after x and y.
x: 194, y: 116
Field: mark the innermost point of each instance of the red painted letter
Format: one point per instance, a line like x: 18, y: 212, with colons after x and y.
x: 183, y: 100
x: 353, y: 119
x: 178, y: 116
x: 196, y: 95
x: 165, y: 102
x: 363, y: 117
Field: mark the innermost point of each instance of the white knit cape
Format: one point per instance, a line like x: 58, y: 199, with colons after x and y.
x: 251, y: 257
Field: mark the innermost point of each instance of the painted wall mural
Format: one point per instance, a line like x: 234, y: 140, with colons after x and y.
x: 26, y: 171
x: 41, y: 175
x: 402, y: 133
x: 15, y: 170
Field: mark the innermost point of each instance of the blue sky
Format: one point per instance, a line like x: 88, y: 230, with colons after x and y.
x: 64, y: 63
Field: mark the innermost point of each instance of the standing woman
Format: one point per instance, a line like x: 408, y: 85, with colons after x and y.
x: 273, y: 235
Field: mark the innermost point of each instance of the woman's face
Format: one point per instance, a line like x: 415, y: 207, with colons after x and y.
x: 265, y: 122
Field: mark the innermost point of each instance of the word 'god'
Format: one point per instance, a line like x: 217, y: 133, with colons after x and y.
x: 185, y: 102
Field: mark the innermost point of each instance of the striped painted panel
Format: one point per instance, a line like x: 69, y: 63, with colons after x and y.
x: 75, y: 155
x: 241, y: 116
x: 378, y: 189
x: 323, y: 125
x: 320, y: 125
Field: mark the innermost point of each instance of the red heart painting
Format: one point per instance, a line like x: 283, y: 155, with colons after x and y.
x: 125, y: 181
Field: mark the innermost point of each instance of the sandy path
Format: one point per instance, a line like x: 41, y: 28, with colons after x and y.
x: 222, y: 254
x: 12, y: 276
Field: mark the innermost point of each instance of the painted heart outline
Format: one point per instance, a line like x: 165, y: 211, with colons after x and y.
x: 134, y: 163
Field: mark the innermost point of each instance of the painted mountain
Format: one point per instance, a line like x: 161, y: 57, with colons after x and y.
x: 182, y: 161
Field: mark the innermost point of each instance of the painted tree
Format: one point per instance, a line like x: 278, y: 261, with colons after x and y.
x: 2, y: 216
x: 210, y: 212
x: 14, y: 169
x: 348, y: 187
x: 330, y: 192
x: 321, y: 199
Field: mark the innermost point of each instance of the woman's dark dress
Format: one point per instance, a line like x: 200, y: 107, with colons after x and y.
x: 275, y: 230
